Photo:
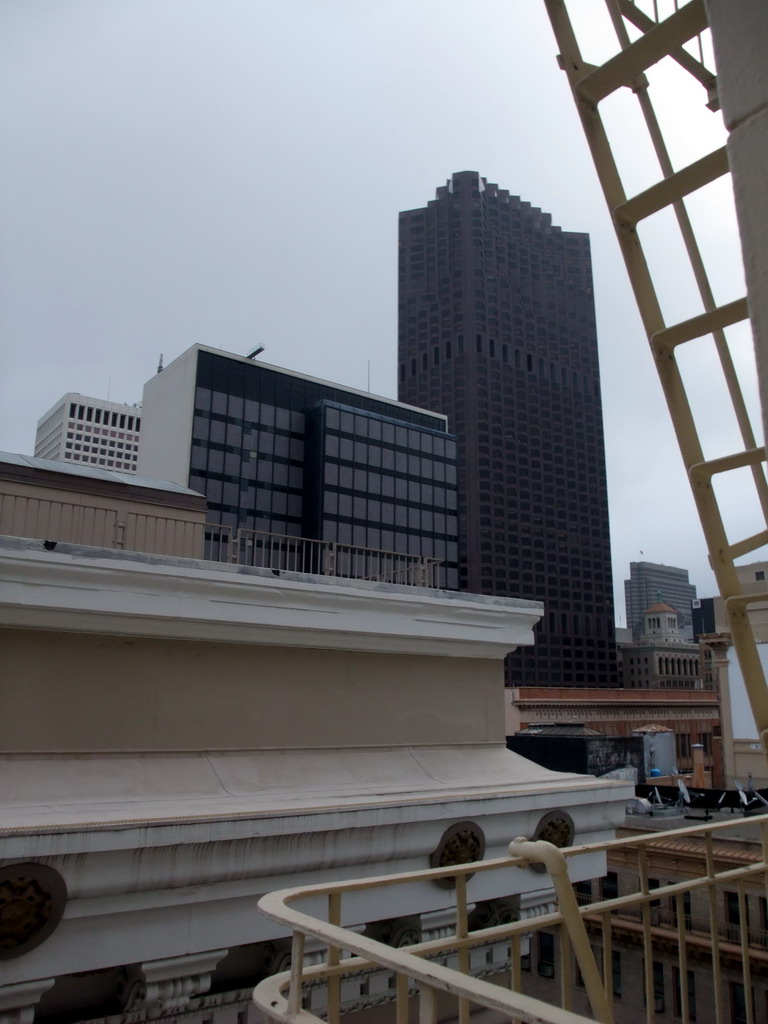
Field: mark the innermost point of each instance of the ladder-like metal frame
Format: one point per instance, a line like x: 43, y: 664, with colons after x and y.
x: 590, y: 85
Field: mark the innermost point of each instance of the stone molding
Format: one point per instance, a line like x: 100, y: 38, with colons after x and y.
x: 184, y: 599
x: 610, y: 712
x: 18, y: 1002
x: 33, y: 897
x: 168, y: 985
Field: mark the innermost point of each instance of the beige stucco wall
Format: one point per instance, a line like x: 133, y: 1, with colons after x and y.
x: 739, y: 35
x: 80, y: 692
x: 749, y: 759
x: 113, y: 520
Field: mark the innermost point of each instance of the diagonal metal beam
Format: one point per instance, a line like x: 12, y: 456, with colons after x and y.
x: 700, y: 72
x: 646, y: 51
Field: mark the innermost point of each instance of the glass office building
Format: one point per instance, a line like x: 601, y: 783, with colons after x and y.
x: 379, y: 482
x: 277, y: 452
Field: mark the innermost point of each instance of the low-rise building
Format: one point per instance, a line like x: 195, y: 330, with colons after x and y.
x: 58, y: 502
x: 692, y: 714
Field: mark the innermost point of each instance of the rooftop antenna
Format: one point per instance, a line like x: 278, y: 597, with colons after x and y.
x: 160, y: 364
x: 256, y: 352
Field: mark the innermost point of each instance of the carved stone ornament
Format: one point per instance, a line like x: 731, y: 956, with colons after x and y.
x: 557, y: 828
x: 32, y: 901
x: 164, y: 987
x: 462, y: 843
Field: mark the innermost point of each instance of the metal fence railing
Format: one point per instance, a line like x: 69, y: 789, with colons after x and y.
x: 579, y: 958
x: 74, y: 523
x: 285, y: 553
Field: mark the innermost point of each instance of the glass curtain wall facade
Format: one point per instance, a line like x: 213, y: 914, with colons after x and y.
x: 497, y: 331
x: 377, y: 482
x: 285, y: 454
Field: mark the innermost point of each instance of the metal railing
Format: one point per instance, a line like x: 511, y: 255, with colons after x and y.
x: 642, y: 41
x: 284, y: 553
x: 666, y: 919
x: 442, y: 968
x: 76, y: 523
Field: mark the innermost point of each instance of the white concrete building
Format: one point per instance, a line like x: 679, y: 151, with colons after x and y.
x: 181, y: 737
x: 91, y: 432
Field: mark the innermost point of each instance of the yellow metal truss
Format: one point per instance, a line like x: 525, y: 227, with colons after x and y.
x: 659, y: 39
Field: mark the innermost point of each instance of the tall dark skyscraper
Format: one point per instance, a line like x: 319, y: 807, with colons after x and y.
x: 497, y: 331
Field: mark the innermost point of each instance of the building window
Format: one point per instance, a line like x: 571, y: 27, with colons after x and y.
x: 653, y: 883
x: 616, y: 972
x: 609, y: 886
x: 732, y: 914
x: 546, y: 966
x: 683, y: 744
x: 759, y: 574
x: 583, y: 892
x: 658, y: 987
x: 686, y: 901
x: 739, y: 1003
x: 678, y: 997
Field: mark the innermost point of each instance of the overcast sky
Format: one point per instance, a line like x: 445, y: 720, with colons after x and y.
x: 230, y: 172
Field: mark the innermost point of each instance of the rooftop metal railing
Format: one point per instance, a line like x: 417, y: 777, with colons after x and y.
x: 283, y: 553
x: 101, y: 526
x: 441, y: 969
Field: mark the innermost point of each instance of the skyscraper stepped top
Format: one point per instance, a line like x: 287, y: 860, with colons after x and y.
x: 497, y: 331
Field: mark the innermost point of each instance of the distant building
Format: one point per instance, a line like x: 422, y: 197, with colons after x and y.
x: 497, y: 330
x: 650, y: 582
x: 280, y: 454
x: 572, y: 747
x: 661, y: 657
x: 91, y: 432
x: 710, y: 918
x: 694, y: 715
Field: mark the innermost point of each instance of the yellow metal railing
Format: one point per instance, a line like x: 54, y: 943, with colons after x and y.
x: 437, y: 973
x: 660, y: 38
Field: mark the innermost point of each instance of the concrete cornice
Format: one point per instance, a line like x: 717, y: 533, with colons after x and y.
x: 60, y: 805
x: 144, y: 595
